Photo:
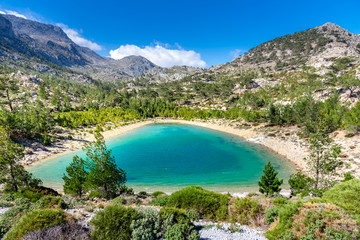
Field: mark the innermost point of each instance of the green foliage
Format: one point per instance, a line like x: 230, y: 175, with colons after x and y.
x: 271, y: 214
x: 280, y: 202
x: 181, y: 232
x: 209, y: 204
x: 114, y: 223
x: 49, y: 202
x: 36, y: 220
x: 74, y: 181
x: 269, y: 182
x: 285, y: 220
x: 245, y: 209
x: 160, y: 201
x: 158, y: 193
x: 34, y: 194
x: 12, y: 216
x: 347, y: 177
x: 346, y: 195
x: 12, y: 172
x: 103, y: 175
x: 323, y: 161
x: 300, y: 183
x: 177, y: 215
x: 149, y: 226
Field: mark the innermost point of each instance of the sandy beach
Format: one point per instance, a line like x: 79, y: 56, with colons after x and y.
x: 291, y: 147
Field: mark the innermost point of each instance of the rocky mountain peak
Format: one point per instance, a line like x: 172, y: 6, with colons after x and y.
x: 5, y: 27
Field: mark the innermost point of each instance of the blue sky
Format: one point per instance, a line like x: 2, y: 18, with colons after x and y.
x: 199, y: 33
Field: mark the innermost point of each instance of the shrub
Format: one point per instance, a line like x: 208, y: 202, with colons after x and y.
x: 114, y: 223
x: 158, y: 193
x: 36, y: 220
x: 280, y: 202
x: 142, y: 194
x: 181, y: 232
x: 119, y: 200
x: 68, y: 231
x: 94, y: 194
x: 271, y: 214
x: 5, y: 204
x: 285, y: 220
x: 177, y: 215
x: 12, y: 216
x: 209, y: 204
x: 34, y: 194
x: 346, y: 195
x: 160, y: 201
x: 299, y: 183
x: 318, y: 220
x: 243, y: 210
x: 49, y: 202
x: 149, y: 226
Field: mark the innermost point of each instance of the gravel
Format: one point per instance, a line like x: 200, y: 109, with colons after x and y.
x: 210, y: 230
x: 3, y: 210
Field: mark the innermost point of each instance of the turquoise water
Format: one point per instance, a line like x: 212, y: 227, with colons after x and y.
x: 171, y: 156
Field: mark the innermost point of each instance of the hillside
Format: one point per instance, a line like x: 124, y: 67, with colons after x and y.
x: 317, y: 47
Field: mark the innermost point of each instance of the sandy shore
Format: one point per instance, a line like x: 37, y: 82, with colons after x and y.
x: 282, y: 141
x: 289, y: 150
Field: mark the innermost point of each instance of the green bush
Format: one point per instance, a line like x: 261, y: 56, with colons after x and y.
x: 280, y: 202
x: 142, y: 194
x: 209, y: 204
x: 36, y: 220
x: 118, y: 200
x: 12, y: 216
x: 271, y: 214
x: 34, y: 194
x: 244, y: 209
x: 299, y: 183
x: 181, y: 232
x: 49, y: 202
x: 346, y: 195
x: 94, y: 194
x: 5, y: 204
x: 177, y: 215
x: 158, y: 193
x: 160, y: 201
x: 149, y: 226
x: 114, y: 223
x: 285, y: 220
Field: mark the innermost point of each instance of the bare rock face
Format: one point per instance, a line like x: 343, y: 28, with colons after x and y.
x: 5, y: 28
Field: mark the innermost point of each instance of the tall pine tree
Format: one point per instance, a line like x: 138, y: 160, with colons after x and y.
x: 76, y: 177
x: 269, y: 183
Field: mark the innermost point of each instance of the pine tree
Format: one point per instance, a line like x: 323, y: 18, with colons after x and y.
x: 269, y: 183
x: 12, y: 172
x: 104, y: 175
x: 76, y: 177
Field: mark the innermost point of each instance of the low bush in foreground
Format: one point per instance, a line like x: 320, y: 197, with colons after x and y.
x: 114, y: 223
x: 36, y: 220
x: 245, y: 211
x: 345, y: 195
x: 208, y: 204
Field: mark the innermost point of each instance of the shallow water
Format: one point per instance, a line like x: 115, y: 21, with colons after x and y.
x: 171, y: 156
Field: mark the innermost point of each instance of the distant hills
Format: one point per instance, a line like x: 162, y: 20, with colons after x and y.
x: 23, y: 40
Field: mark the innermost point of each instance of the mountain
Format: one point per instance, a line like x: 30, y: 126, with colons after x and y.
x: 318, y: 47
x: 26, y: 38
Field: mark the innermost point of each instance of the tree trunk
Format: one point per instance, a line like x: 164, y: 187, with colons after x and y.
x: 8, y: 97
x: 13, y: 181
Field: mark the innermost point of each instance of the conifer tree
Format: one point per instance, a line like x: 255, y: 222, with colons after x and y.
x: 76, y: 177
x: 104, y: 175
x: 12, y: 172
x: 269, y: 183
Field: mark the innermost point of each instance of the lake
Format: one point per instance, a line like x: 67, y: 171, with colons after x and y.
x: 168, y: 157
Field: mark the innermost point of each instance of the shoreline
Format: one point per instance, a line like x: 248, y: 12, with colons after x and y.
x: 281, y: 141
x: 289, y: 151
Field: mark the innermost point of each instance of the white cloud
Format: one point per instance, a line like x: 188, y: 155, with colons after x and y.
x: 161, y: 55
x: 78, y: 39
x: 10, y: 12
x: 237, y: 52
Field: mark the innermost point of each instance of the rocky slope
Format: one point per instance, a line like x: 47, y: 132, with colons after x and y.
x: 318, y: 47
